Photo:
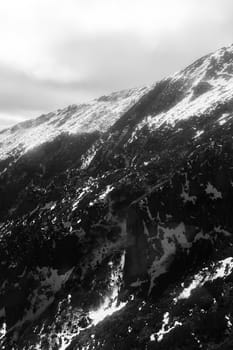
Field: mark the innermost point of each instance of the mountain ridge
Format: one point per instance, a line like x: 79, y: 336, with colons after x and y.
x: 135, y: 94
x: 127, y: 226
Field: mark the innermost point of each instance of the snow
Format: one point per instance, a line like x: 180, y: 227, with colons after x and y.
x: 96, y: 115
x: 109, y: 307
x: 219, y: 229
x: 62, y: 336
x: 83, y: 192
x: 106, y: 247
x: 213, y: 192
x: 49, y: 206
x: 204, y: 104
x: 3, y: 330
x: 130, y: 329
x: 169, y: 238
x: 201, y: 235
x: 220, y: 92
x: 229, y: 324
x: 222, y: 269
x: 108, y: 189
x: 185, y: 192
x: 51, y: 282
x: 110, y: 304
x: 186, y: 197
x: 165, y: 329
x: 152, y: 337
x: 198, y: 134
x: 197, y: 340
x: 139, y: 126
x: 223, y: 119
x: 100, y: 114
x: 62, y: 341
x: 88, y: 157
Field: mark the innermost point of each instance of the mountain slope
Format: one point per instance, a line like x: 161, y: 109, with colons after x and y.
x: 96, y: 116
x: 117, y: 222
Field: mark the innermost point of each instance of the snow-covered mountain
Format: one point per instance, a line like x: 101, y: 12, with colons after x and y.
x: 116, y: 219
x: 96, y: 116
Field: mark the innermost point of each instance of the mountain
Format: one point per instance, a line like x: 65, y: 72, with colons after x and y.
x: 116, y: 219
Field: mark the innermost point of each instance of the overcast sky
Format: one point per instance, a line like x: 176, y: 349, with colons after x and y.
x: 58, y: 52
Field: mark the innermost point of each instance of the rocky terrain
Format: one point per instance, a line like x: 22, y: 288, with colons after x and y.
x: 116, y: 219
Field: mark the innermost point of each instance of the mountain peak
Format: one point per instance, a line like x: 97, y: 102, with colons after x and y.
x: 208, y: 78
x: 218, y: 64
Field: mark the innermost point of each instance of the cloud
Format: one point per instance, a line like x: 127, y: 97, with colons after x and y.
x: 58, y: 52
x: 25, y: 92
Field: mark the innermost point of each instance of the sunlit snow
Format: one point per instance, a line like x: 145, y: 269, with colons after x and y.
x: 165, y: 328
x: 3, y: 330
x: 96, y: 115
x: 170, y: 237
x: 223, y: 119
x: 110, y: 304
x: 221, y: 269
x: 220, y: 92
x: 198, y: 133
x: 51, y: 281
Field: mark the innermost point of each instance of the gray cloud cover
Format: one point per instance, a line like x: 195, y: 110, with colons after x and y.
x: 56, y: 53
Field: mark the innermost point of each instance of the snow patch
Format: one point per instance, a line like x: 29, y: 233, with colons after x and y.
x: 96, y: 115
x: 165, y: 329
x: 50, y: 283
x: 229, y: 323
x: 198, y: 134
x: 169, y: 238
x: 213, y: 192
x: 219, y: 229
x: 3, y: 330
x: 223, y: 119
x: 222, y: 269
x: 185, y: 192
x: 87, y: 158
x: 81, y: 195
x: 108, y: 189
x: 110, y: 304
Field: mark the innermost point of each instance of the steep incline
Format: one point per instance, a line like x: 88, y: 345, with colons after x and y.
x: 95, y: 116
x: 117, y: 229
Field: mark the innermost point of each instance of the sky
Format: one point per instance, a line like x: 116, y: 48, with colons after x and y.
x: 59, y: 52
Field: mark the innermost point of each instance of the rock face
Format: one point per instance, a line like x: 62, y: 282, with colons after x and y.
x: 117, y: 219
